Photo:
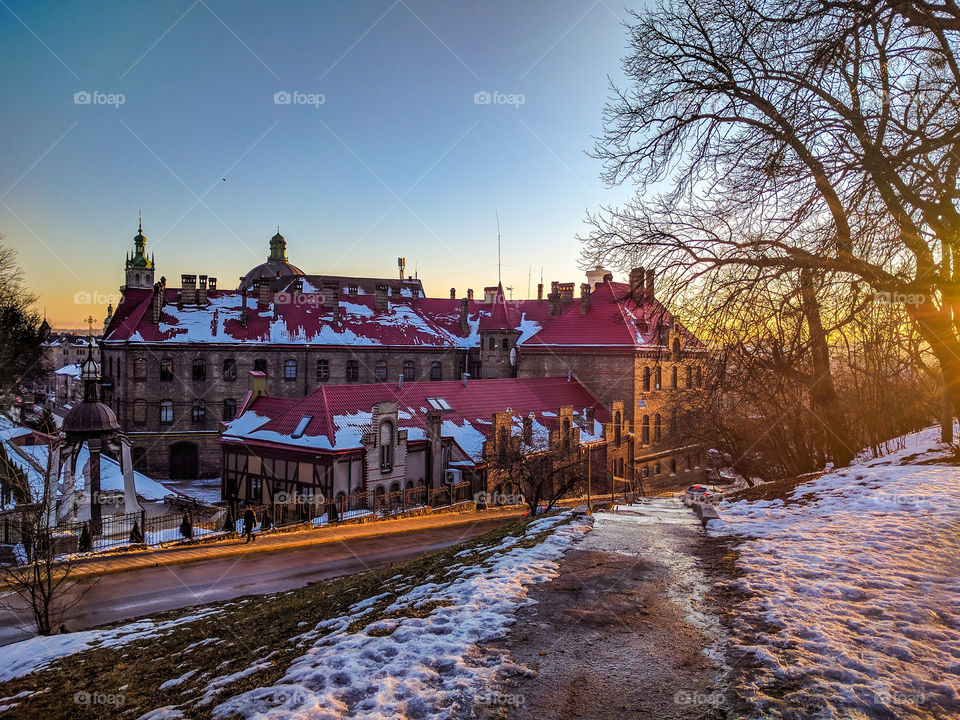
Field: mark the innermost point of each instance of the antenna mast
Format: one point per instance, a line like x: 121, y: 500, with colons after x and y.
x: 499, y: 279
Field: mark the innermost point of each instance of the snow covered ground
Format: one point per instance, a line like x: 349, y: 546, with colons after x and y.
x: 410, y: 666
x: 855, y: 590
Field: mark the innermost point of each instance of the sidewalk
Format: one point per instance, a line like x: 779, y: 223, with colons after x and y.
x: 281, y: 541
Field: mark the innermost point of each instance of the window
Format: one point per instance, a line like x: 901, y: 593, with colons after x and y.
x: 166, y: 369
x: 436, y: 371
x: 409, y: 370
x: 140, y: 369
x: 229, y: 409
x: 699, y: 377
x: 673, y: 422
x: 689, y: 462
x: 353, y: 371
x: 689, y: 378
x: 657, y: 379
x: 673, y: 377
x: 139, y: 412
x: 617, y: 429
x: 386, y: 447
x: 657, y: 428
x: 646, y: 379
x: 301, y: 427
x: 506, y: 343
x: 290, y: 370
x: 492, y: 344
x: 166, y: 412
x: 645, y: 432
x: 673, y: 466
x: 138, y: 456
x: 199, y: 412
x: 380, y: 370
x: 656, y: 468
x: 323, y: 370
x: 566, y: 432
x: 260, y: 365
x: 199, y: 369
x: 676, y: 348
x: 229, y: 369
x: 645, y: 472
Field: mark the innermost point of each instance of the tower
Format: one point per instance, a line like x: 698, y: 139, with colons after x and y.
x: 139, y: 268
x: 278, y: 247
x: 498, y: 340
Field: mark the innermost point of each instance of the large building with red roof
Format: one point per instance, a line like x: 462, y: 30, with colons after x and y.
x: 175, y: 360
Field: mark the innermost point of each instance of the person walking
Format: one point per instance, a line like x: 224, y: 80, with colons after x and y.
x: 249, y: 520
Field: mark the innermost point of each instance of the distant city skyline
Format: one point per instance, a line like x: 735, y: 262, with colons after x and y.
x: 365, y: 131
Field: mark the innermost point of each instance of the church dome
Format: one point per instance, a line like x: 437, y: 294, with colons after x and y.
x: 276, y: 265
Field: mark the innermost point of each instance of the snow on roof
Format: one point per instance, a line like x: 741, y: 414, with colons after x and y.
x: 341, y: 414
x: 73, y: 370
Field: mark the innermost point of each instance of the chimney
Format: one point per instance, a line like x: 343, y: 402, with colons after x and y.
x: 243, y: 308
x: 554, y: 300
x: 453, y: 293
x: 584, y: 298
x: 263, y: 291
x: 400, y: 382
x: 158, y: 292
x: 395, y: 291
x: 297, y: 287
x: 588, y: 414
x: 539, y: 292
x: 469, y: 293
x: 650, y: 277
x: 636, y: 279
x: 188, y: 289
x: 434, y: 422
x: 528, y: 429
x: 331, y: 297
x: 202, y: 290
x: 212, y: 284
x: 608, y: 277
x: 464, y: 307
x: 258, y: 383
x: 380, y: 302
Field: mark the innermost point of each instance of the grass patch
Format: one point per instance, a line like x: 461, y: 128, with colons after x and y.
x: 270, y: 631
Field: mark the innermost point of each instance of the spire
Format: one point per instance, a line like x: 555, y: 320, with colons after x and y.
x: 140, y: 224
x: 500, y: 317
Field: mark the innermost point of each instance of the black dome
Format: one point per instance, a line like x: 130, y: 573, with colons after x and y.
x: 90, y: 419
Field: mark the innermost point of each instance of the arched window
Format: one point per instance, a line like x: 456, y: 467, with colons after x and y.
x: 166, y: 412
x: 673, y: 377
x: 409, y: 370
x: 386, y: 446
x: 229, y: 409
x: 699, y: 377
x: 290, y: 369
x: 673, y: 466
x: 139, y: 412
x: 617, y: 428
x: 380, y: 370
x: 492, y: 344
x: 166, y: 369
x: 436, y: 371
x: 199, y: 369
x: 323, y: 370
x: 566, y: 432
x: 395, y: 487
x: 673, y: 422
x: 229, y: 369
x: 676, y: 348
x: 140, y: 369
x: 689, y: 378
x: 658, y: 379
x: 645, y: 429
x: 506, y: 343
x: 657, y: 428
x: 198, y: 414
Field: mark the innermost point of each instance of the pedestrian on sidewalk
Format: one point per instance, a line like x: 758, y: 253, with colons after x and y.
x: 249, y: 520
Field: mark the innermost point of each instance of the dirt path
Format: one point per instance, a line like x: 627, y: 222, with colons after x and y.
x: 621, y: 632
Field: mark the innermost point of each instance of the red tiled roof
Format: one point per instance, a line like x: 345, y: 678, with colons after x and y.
x: 500, y: 317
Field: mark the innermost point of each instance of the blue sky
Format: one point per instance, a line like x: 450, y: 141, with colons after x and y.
x: 397, y: 159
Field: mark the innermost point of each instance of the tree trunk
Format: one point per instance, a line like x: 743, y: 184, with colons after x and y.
x: 823, y: 394
x: 946, y: 414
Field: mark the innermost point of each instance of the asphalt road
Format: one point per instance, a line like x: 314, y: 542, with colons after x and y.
x: 137, y: 593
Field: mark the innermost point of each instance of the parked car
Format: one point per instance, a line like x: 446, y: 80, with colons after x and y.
x: 702, y: 494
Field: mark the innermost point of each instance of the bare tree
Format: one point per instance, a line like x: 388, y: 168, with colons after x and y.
x: 815, y: 139
x: 42, y: 577
x: 543, y: 471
